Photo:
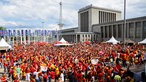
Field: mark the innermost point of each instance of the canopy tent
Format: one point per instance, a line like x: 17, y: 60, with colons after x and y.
x: 127, y: 41
x: 142, y: 42
x: 112, y: 40
x: 62, y: 42
x: 4, y: 45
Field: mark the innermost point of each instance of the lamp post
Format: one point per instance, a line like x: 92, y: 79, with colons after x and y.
x: 124, y: 29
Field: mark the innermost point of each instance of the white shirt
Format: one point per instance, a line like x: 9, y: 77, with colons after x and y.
x: 62, y: 76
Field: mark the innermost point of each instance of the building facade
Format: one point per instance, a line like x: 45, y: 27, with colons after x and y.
x: 101, y: 24
x: 87, y: 17
x: 90, y: 15
x: 135, y: 29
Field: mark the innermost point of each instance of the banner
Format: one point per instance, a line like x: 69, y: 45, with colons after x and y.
x: 54, y: 33
x: 45, y: 32
x: 14, y: 32
x: 29, y: 33
x: 4, y: 33
x: 18, y: 32
x: 9, y: 33
x: 26, y: 33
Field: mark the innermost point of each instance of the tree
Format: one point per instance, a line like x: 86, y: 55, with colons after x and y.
x: 2, y: 28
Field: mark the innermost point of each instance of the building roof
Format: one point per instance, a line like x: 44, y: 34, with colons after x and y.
x: 91, y: 6
x: 70, y: 29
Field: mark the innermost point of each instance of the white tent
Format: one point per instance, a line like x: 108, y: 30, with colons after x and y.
x: 4, y: 45
x: 142, y: 42
x: 112, y: 40
x: 62, y: 42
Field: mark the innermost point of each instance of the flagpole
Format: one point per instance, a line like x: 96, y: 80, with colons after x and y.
x: 13, y: 39
x: 24, y: 35
x: 21, y: 37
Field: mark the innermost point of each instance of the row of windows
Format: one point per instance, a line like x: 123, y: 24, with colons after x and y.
x: 106, y: 17
x: 132, y: 30
x: 144, y: 29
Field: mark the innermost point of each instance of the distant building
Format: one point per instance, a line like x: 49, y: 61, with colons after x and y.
x: 100, y: 24
x: 135, y: 29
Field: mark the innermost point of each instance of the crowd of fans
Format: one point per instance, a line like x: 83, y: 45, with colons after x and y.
x: 47, y: 63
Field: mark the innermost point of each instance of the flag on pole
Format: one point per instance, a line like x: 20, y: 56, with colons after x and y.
x: 26, y: 33
x: 29, y: 33
x: 9, y: 33
x: 18, y: 32
x: 4, y: 32
x: 14, y: 32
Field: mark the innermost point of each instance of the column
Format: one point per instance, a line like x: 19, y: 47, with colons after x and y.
x: 141, y: 37
x: 20, y: 37
x: 24, y: 37
x: 112, y: 30
x: 76, y: 39
x: 103, y: 31
x: 127, y: 26
x: 13, y: 40
x: 116, y: 27
x: 134, y: 32
x: 107, y: 32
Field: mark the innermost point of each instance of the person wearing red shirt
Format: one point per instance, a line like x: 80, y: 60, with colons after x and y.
x: 79, y: 76
x: 3, y: 78
x: 52, y: 74
x: 45, y: 77
x: 5, y: 66
x: 16, y: 80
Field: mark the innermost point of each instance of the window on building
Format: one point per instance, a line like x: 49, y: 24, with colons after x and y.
x: 102, y: 32
x: 99, y: 17
x: 84, y: 21
x: 138, y: 30
x: 106, y: 31
x: 144, y: 29
x: 114, y: 30
x: 119, y: 31
x: 110, y: 31
x: 131, y: 30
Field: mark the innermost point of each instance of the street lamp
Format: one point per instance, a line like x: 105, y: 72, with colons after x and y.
x: 124, y: 29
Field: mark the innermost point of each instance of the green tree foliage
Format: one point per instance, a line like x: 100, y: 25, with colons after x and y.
x: 2, y: 28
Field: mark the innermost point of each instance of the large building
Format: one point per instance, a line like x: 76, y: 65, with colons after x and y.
x: 95, y: 23
x: 90, y: 15
x: 135, y: 29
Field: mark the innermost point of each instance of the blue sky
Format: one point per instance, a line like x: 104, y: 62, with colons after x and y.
x: 30, y: 14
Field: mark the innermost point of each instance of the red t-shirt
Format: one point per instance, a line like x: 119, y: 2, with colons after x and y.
x: 52, y: 75
x: 45, y: 76
x: 3, y: 79
x: 16, y: 81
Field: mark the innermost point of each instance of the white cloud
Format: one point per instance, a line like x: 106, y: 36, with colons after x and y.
x: 8, y: 23
x: 26, y: 12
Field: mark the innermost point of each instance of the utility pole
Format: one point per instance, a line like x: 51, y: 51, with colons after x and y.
x: 124, y: 29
